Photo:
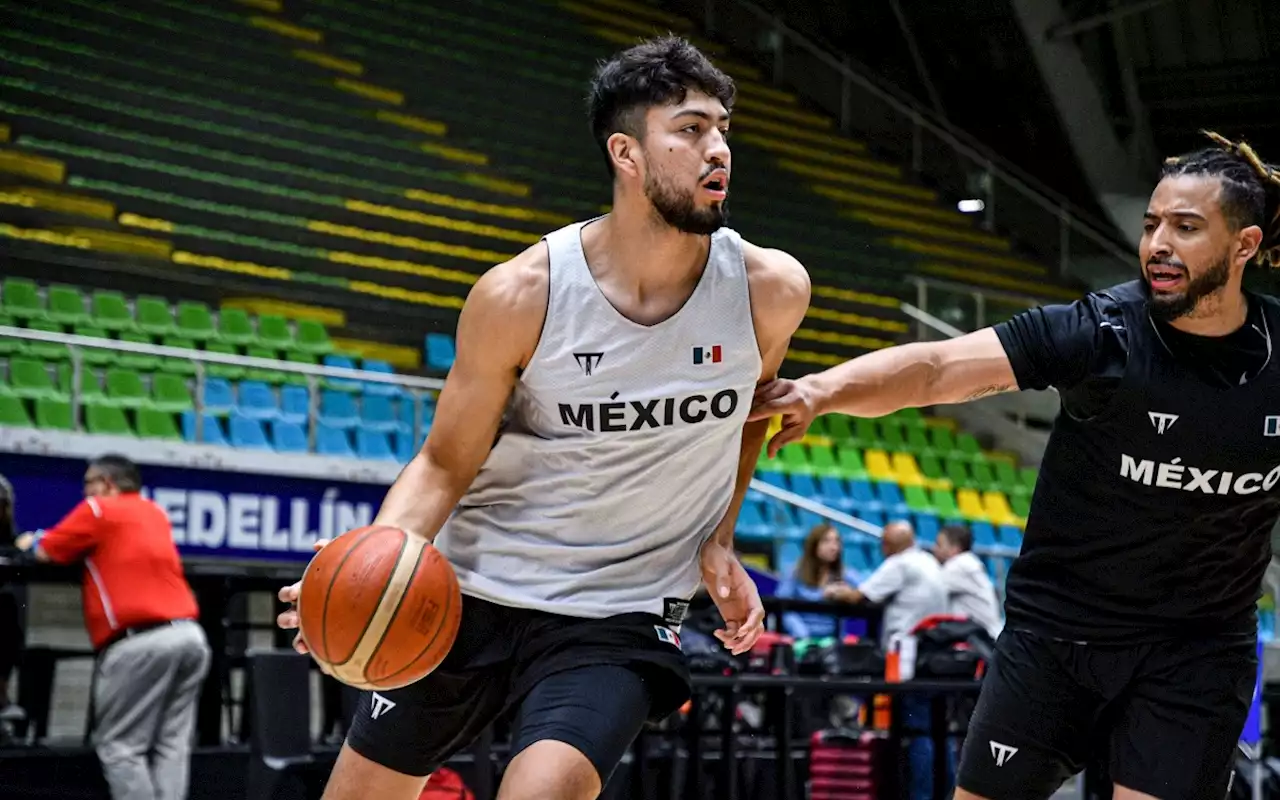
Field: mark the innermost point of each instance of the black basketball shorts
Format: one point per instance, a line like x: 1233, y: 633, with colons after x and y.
x: 591, y: 683
x: 1166, y: 716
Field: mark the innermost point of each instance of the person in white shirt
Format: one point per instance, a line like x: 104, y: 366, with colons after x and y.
x: 970, y: 592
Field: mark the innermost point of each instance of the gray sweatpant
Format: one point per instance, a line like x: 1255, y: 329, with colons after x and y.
x: 144, y: 700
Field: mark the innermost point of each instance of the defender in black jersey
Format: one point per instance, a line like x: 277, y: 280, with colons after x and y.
x: 1131, y: 610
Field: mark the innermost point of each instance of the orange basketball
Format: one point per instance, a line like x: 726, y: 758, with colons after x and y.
x: 379, y: 609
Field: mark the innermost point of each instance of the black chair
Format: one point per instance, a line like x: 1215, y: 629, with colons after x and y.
x: 278, y: 694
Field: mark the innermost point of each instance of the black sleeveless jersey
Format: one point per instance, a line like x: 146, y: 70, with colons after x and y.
x: 1160, y: 482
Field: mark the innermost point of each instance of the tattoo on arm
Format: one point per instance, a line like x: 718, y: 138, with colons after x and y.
x: 987, y: 391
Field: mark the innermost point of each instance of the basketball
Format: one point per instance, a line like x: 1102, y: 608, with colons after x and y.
x: 379, y: 609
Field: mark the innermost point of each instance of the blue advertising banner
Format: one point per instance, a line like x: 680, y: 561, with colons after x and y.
x: 215, y: 513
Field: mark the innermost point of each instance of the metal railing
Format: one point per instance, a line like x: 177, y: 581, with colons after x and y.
x: 1045, y: 222
x: 415, y: 387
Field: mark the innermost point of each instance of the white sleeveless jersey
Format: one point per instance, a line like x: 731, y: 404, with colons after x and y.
x: 619, y: 452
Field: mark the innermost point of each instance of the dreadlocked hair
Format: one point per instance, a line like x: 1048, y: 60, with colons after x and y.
x: 1250, y: 188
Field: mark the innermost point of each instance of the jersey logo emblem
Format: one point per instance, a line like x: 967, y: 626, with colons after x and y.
x: 381, y: 705
x: 1271, y: 426
x: 667, y: 635
x: 588, y: 361
x: 707, y: 355
x: 1162, y: 422
x: 1002, y: 752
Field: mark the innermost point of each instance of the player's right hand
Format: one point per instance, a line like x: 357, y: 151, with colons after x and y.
x: 794, y: 400
x: 289, y: 594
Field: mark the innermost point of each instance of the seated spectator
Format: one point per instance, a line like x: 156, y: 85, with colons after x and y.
x: 819, y: 575
x: 970, y: 592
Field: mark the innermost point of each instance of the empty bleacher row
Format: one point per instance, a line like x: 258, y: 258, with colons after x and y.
x: 296, y: 150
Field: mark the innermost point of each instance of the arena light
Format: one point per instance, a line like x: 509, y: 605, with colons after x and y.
x: 971, y: 206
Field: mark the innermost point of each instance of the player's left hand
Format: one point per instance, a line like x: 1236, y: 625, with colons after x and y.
x: 736, y: 596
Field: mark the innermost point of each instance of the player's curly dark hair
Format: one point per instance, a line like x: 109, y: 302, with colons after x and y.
x: 1250, y: 189
x: 655, y: 72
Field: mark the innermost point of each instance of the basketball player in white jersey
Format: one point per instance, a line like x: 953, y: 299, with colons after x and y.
x: 589, y: 454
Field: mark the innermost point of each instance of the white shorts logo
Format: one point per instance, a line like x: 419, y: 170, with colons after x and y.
x: 1002, y: 752
x: 381, y: 705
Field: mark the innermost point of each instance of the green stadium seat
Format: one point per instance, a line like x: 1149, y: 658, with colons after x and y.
x: 967, y: 444
x: 911, y: 417
x: 66, y: 305
x: 1021, y: 504
x: 917, y: 499
x: 126, y: 389
x: 9, y: 345
x: 232, y: 372
x: 30, y: 379
x: 931, y: 468
x: 13, y: 412
x: 21, y: 299
x: 866, y: 434
x: 235, y: 327
x: 839, y: 427
x: 178, y: 366
x: 54, y: 414
x: 169, y: 393
x: 154, y: 316
x: 892, y: 435
x: 818, y: 427
x: 984, y: 477
x: 111, y: 311
x: 1007, y: 476
x: 944, y: 504
x: 47, y: 351
x: 153, y: 423
x: 297, y: 357
x: 822, y: 458
x: 944, y: 443
x: 795, y: 460
x: 766, y: 464
x: 95, y: 356
x: 958, y: 471
x: 851, y: 466
x: 142, y: 362
x: 195, y: 322
x: 271, y: 376
x: 103, y: 418
x: 273, y: 332
x: 1029, y: 475
x: 917, y: 441
x: 90, y: 387
x: 313, y: 338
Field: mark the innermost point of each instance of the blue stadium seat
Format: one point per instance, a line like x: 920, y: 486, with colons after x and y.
x: 440, y: 352
x: 405, y: 447
x: 833, y: 492
x: 889, y: 494
x: 376, y: 414
x: 218, y: 397
x: 341, y: 384
x: 247, y: 433
x: 804, y: 485
x: 338, y: 410
x: 873, y: 517
x: 926, y: 528
x: 379, y: 389
x: 257, y: 400
x: 864, y: 500
x: 295, y: 404
x: 752, y: 523
x: 1010, y: 536
x: 807, y: 520
x: 780, y: 518
x: 331, y: 441
x: 211, y: 433
x: 984, y: 535
x: 786, y: 554
x: 857, y: 555
x: 775, y: 479
x: 288, y: 437
x: 373, y: 445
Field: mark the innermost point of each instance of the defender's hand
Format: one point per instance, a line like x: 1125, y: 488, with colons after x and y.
x: 289, y: 594
x: 794, y: 400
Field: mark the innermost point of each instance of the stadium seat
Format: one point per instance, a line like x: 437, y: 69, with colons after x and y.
x: 332, y: 441
x: 984, y: 535
x: 795, y: 459
x: 970, y: 504
x: 153, y: 316
x: 338, y: 409
x: 1010, y: 536
x: 211, y: 429
x: 65, y: 305
x: 124, y: 388
x: 890, y: 496
x: 95, y: 356
x: 804, y: 484
x: 944, y: 503
x: 257, y: 400
x: 440, y: 352
x: 154, y: 423
x: 917, y: 499
x: 927, y: 526
x: 892, y: 435
x: 170, y: 393
x: 866, y: 434
x: 944, y: 443
x: 340, y: 384
x: 906, y: 470
x: 54, y: 414
x: 312, y: 337
x: 377, y: 414
x: 839, y: 428
x: 30, y: 379
x: 235, y: 327
x: 984, y: 478
x: 179, y: 366
x: 911, y: 418
x: 763, y: 462
x: 822, y: 460
x: 274, y: 377
x: 997, y: 508
x: 195, y: 322
x: 288, y: 437
x: 967, y: 444
x: 111, y: 311
x: 13, y: 412
x: 786, y: 554
x: 833, y: 492
x: 295, y: 404
x: 405, y: 446
x: 878, y: 466
x: 375, y: 445
x: 958, y: 472
x: 1029, y: 476
x: 752, y: 524
x: 106, y: 419
x: 47, y: 351
x: 918, y: 441
x: 218, y: 397
x: 934, y: 475
x: 850, y: 461
x: 864, y: 497
x: 382, y: 368
x: 274, y: 332
x: 1006, y: 476
x: 21, y: 298
x: 247, y: 433
x: 141, y: 362
x: 1020, y: 504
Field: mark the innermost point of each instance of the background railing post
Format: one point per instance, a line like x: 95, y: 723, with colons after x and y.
x: 313, y: 411
x: 201, y: 374
x: 77, y: 372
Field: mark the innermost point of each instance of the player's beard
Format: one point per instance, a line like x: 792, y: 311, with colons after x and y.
x: 678, y: 209
x: 1168, y: 307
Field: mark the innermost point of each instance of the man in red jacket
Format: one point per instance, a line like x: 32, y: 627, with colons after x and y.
x: 152, y: 656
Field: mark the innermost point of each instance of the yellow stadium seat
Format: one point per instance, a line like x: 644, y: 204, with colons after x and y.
x: 969, y: 503
x: 997, y: 508
x: 907, y: 471
x: 878, y: 466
